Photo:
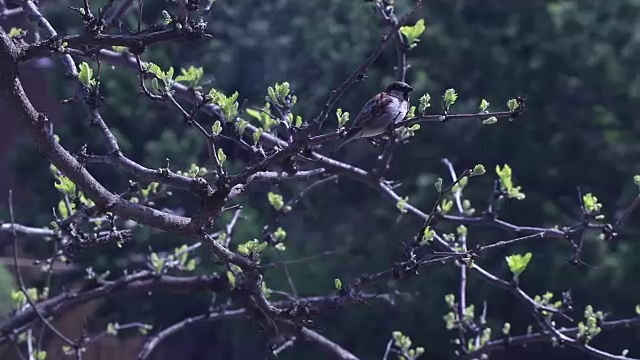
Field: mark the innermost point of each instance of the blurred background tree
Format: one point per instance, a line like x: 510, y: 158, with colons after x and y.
x: 574, y: 61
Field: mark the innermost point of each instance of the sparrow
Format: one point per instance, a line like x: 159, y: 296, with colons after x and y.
x: 380, y: 113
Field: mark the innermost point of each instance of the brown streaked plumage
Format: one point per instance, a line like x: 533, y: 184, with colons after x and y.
x: 380, y: 113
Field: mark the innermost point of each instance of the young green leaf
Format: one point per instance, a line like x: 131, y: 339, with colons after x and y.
x: 412, y: 32
x: 166, y: 17
x: 119, y: 49
x: 15, y: 32
x: 402, y: 204
x: 424, y: 103
x: 241, y: 126
x: 216, y: 129
x: 506, y: 182
x: 427, y: 235
x: 338, y: 284
x: 591, y: 204
x: 446, y: 206
x: 222, y: 157
x: 450, y: 97
x: 343, y: 117
x: 518, y: 263
x: 228, y: 104
x: 111, y: 329
x: 280, y: 234
x: 256, y: 136
x: 484, y: 105
x: 275, y: 200
x: 512, y: 105
x: 85, y: 74
x: 478, y: 170
x: 506, y: 328
x: 191, y: 76
x: 438, y: 185
x: 155, y: 70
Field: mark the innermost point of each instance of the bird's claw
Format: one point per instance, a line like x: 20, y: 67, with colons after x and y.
x: 391, y: 184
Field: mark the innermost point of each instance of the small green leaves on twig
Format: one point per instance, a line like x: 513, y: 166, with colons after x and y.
x: 588, y: 331
x: 294, y: 121
x: 518, y: 263
x: 506, y: 183
x: 402, y: 204
x: 411, y: 114
x: 228, y: 104
x: 166, y: 17
x: 343, y: 117
x: 253, y: 247
x: 68, y: 188
x: 406, y: 132
x: 449, y: 98
x: 546, y: 300
x: 636, y: 180
x: 15, y: 32
x: 512, y: 105
x: 278, y: 94
x: 280, y: 234
x: 412, y: 32
x: 152, y: 188
x: 263, y: 116
x: 85, y: 75
x: 484, y: 105
x: 216, y: 128
x: 241, y: 126
x: 157, y: 263
x: 166, y: 77
x: 450, y: 300
x: 275, y: 200
x: 196, y: 171
x: 403, y: 344
x: 592, y: 206
x: 119, y: 49
x: 424, y: 103
x: 427, y: 235
x: 191, y: 76
x: 466, y: 207
x: 478, y: 170
x: 337, y: 283
x: 256, y: 135
x: 438, y: 185
x: 222, y: 157
x: 506, y: 329
x: 231, y: 277
x: 445, y: 206
x: 411, y: 130
x: 65, y: 185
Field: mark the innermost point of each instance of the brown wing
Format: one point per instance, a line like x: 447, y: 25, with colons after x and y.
x: 375, y: 107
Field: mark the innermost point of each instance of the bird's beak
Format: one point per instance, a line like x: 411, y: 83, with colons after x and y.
x: 409, y: 88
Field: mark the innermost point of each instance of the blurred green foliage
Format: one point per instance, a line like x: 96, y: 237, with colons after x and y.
x: 574, y: 61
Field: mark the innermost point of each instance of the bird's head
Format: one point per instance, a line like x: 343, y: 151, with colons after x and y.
x: 399, y: 89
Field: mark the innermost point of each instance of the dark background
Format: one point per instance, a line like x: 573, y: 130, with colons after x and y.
x: 576, y: 62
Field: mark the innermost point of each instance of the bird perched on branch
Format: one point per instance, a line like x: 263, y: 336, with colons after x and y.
x: 380, y: 113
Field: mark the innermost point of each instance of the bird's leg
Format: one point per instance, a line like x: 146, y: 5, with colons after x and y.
x: 391, y: 184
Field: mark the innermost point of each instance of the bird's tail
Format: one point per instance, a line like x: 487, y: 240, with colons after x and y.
x: 340, y: 145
